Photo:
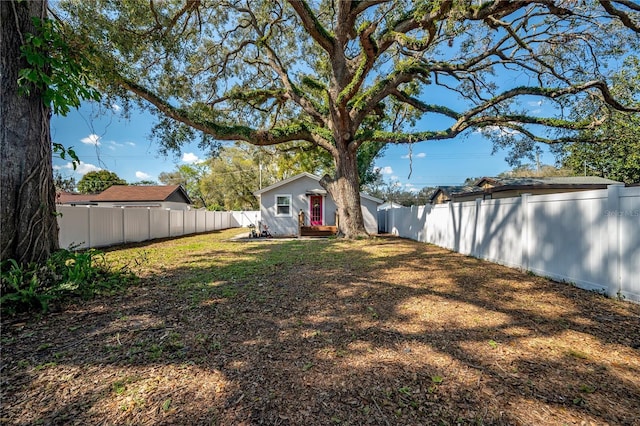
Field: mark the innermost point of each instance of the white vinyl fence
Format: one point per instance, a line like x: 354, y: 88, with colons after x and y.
x: 92, y: 226
x: 590, y: 238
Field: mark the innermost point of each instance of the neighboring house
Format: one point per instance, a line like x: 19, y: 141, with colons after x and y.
x: 443, y: 194
x: 493, y: 188
x: 73, y: 199
x: 281, y: 204
x: 172, y: 197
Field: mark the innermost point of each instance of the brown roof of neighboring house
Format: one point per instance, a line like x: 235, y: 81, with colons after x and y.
x: 140, y: 193
x: 126, y: 193
x: 551, y: 180
x: 556, y: 182
x: 64, y: 197
x: 455, y: 189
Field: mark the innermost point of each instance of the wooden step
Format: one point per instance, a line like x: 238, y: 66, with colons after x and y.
x: 318, y: 231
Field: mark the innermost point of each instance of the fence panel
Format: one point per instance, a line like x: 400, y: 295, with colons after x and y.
x: 245, y: 218
x: 189, y: 217
x: 438, y: 226
x: 401, y: 222
x: 499, y: 231
x: 91, y: 226
x: 209, y: 220
x: 589, y: 238
x: 629, y: 233
x: 136, y: 225
x: 106, y: 226
x: 74, y: 227
x: 159, y: 223
x: 201, y: 221
x: 568, y: 238
x: 176, y: 223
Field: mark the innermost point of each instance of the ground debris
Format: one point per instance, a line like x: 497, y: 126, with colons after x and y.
x: 381, y: 332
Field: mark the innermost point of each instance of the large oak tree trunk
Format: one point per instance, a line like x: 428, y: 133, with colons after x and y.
x: 28, y: 225
x: 344, y: 189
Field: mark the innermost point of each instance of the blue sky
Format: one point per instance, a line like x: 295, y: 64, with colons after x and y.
x: 106, y: 140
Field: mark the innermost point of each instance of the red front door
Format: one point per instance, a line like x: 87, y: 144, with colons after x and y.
x: 315, y: 209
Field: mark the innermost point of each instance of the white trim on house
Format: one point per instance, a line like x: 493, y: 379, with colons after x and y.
x: 286, y: 181
x: 301, y: 187
x: 290, y: 205
x: 309, y: 175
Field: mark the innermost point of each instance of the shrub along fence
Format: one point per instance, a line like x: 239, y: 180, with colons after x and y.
x: 93, y: 226
x: 590, y: 238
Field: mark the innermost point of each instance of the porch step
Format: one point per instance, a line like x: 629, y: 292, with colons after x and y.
x: 318, y: 231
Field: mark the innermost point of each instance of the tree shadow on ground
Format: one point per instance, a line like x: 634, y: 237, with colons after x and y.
x: 387, y: 331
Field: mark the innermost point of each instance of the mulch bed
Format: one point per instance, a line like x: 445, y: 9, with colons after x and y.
x: 380, y: 332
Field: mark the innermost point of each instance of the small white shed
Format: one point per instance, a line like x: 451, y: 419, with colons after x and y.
x: 281, y: 203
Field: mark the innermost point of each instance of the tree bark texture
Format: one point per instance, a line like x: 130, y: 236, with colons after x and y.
x: 344, y: 189
x: 28, y: 224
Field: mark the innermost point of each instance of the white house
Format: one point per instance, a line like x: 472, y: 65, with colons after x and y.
x: 282, y: 202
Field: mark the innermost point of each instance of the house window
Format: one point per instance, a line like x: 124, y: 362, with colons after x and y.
x: 283, y: 205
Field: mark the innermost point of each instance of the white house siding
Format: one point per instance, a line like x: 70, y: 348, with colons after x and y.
x: 298, y: 190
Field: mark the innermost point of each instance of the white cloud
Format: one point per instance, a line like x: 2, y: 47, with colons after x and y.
x: 189, y: 157
x: 92, y: 139
x: 386, y: 170
x: 143, y: 175
x: 113, y: 145
x: 81, y: 169
x: 411, y: 187
x: 130, y: 143
x: 418, y: 155
x: 115, y: 108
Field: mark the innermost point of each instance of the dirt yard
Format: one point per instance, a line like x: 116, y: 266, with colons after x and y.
x: 321, y: 332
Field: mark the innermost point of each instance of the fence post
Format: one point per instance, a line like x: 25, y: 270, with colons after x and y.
x: 124, y: 225
x: 88, y: 226
x: 525, y: 240
x: 168, y: 222
x: 451, y: 229
x: 477, y: 251
x: 612, y: 259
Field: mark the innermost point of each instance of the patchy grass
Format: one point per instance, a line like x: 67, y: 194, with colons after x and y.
x: 316, y: 332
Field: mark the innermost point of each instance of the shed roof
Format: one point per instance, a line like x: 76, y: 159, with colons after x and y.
x: 309, y: 175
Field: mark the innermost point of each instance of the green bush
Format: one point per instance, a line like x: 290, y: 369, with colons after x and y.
x: 22, y: 288
x: 65, y: 275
